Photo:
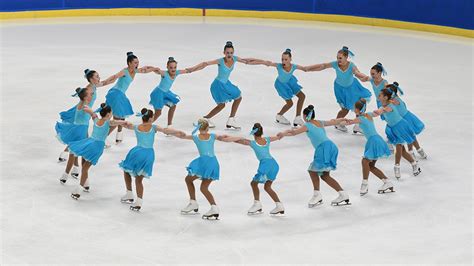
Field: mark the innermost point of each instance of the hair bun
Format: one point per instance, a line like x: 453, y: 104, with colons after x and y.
x: 288, y: 50
x: 86, y: 71
x: 129, y: 53
x: 78, y: 89
x: 311, y: 107
x: 379, y: 64
x: 345, y: 48
x: 103, y: 105
x: 229, y: 43
x: 395, y: 83
x: 170, y: 58
x: 144, y: 111
x: 363, y: 100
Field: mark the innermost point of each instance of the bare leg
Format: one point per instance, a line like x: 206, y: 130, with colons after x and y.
x: 270, y: 191
x: 315, y: 179
x: 128, y: 181
x: 205, y: 191
x: 70, y: 162
x: 331, y: 181
x: 215, y: 111
x: 342, y: 113
x: 235, y: 106
x: 139, y: 186
x: 157, y: 114
x: 76, y: 161
x: 286, y: 107
x: 365, y: 168
x: 398, y: 153
x: 377, y: 172
x: 190, y: 185
x: 85, y: 172
x: 406, y: 155
x: 255, y: 190
x: 299, y: 105
x: 171, y: 114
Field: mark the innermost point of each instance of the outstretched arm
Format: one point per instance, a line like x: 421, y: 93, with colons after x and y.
x: 381, y: 110
x: 302, y: 68
x: 361, y: 76
x: 239, y: 140
x: 158, y: 71
x: 333, y: 122
x: 293, y: 132
x: 255, y: 61
x: 89, y: 111
x: 114, y: 123
x: 275, y: 138
x: 242, y: 60
x: 145, y: 69
x: 111, y: 79
x: 194, y: 68
x: 177, y: 133
x: 318, y: 67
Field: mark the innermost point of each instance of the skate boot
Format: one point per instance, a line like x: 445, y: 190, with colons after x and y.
x: 76, y: 194
x: 127, y: 198
x: 356, y: 130
x: 387, y: 187
x: 75, y: 171
x: 422, y: 153
x: 282, y: 120
x: 341, y: 128
x: 279, y: 210
x: 256, y: 208
x: 416, y: 168
x: 192, y: 208
x: 119, y: 137
x: 396, y: 169
x: 342, y: 199
x: 86, y: 185
x: 316, y: 200
x: 298, y: 121
x: 212, y: 214
x: 63, y: 157
x: 137, y: 205
x: 364, y: 187
x: 64, y: 178
x: 232, y: 124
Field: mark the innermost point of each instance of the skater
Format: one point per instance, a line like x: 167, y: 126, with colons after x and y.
x: 325, y: 156
x: 91, y: 148
x: 93, y: 78
x: 267, y: 170
x: 398, y: 131
x: 205, y: 167
x: 375, y: 148
x: 286, y: 84
x: 69, y: 132
x: 222, y: 89
x: 162, y: 94
x: 415, y: 123
x: 116, y: 98
x: 139, y: 160
x: 347, y: 89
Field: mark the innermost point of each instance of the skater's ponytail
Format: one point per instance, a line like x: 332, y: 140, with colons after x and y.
x: 88, y: 74
x: 81, y: 93
x: 146, y: 114
x: 287, y: 52
x: 228, y: 44
x: 257, y: 130
x: 379, y: 68
x: 309, y: 112
x: 361, y: 105
x: 130, y: 57
x: 104, y: 110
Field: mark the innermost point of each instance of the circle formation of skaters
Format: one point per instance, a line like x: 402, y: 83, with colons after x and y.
x: 402, y: 128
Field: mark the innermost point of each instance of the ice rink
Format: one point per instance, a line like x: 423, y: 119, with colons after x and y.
x: 427, y: 220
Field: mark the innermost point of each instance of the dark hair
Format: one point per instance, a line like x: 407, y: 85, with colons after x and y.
x: 130, y: 57
x: 344, y: 51
x: 360, y: 104
x: 259, y: 128
x: 228, y: 44
x: 387, y: 92
x: 81, y: 92
x: 104, y: 109
x: 392, y: 87
x: 378, y: 67
x: 308, y: 110
x: 171, y: 60
x: 287, y: 52
x: 147, y: 114
x: 88, y: 74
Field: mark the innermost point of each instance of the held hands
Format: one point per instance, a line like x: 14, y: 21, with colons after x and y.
x: 280, y: 135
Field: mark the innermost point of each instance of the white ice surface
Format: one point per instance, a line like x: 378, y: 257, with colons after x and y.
x: 427, y: 220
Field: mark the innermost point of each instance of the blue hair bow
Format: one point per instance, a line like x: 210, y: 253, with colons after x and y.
x: 254, y: 130
x: 345, y: 48
x: 384, y: 71
x: 310, y: 114
x: 196, y: 128
x: 364, y: 107
x: 399, y: 89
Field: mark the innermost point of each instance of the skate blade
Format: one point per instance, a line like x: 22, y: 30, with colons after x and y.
x: 254, y: 213
x: 357, y: 133
x: 75, y: 196
x: 86, y: 189
x: 342, y: 203
x: 231, y: 128
x: 316, y: 204
x: 388, y: 190
x: 363, y: 194
x: 281, y: 123
x: 211, y: 217
x: 62, y: 182
x: 278, y: 214
x: 193, y: 212
x: 127, y: 201
x: 75, y: 176
x: 417, y: 173
x: 135, y: 209
x: 62, y: 160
